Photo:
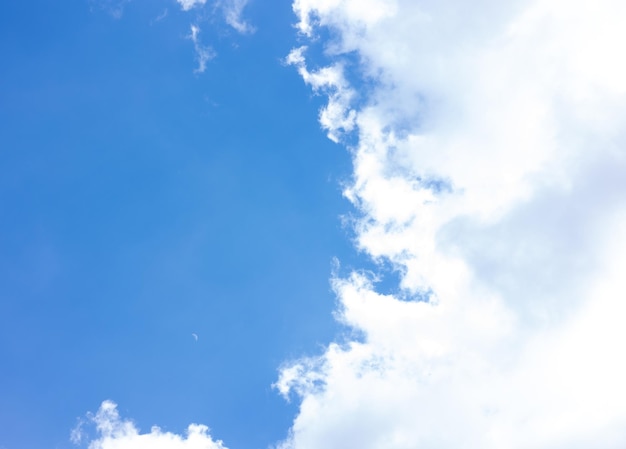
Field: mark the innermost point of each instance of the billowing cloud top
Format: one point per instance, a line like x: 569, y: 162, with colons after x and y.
x: 489, y: 172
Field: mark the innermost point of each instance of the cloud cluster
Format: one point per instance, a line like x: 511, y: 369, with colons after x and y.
x: 114, y: 432
x: 489, y: 172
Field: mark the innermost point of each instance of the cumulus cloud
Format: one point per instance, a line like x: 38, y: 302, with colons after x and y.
x: 113, y: 432
x: 204, y: 53
x: 488, y: 170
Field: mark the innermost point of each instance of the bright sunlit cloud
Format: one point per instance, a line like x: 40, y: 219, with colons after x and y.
x: 488, y: 172
x: 114, y: 432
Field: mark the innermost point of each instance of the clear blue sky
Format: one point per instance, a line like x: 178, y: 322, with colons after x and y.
x: 141, y: 202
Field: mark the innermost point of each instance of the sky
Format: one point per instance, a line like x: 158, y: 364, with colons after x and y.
x: 374, y: 224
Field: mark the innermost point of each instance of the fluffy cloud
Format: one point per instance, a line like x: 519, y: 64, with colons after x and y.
x: 115, y: 433
x: 489, y: 173
x: 336, y: 117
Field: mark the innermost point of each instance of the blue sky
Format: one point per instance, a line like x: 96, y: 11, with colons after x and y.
x: 142, y: 202
x: 268, y: 178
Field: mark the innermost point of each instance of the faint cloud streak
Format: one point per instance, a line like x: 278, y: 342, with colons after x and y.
x: 186, y: 5
x: 115, y: 8
x: 204, y: 53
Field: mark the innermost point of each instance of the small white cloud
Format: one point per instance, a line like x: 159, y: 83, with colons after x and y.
x: 113, y: 432
x: 204, y: 53
x: 233, y: 10
x: 186, y: 5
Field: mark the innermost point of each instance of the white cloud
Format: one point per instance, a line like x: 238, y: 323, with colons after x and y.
x: 489, y: 171
x: 204, y: 53
x: 233, y: 10
x: 336, y: 117
x: 186, y: 5
x: 114, y: 432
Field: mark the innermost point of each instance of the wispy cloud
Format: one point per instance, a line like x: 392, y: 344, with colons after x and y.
x: 204, y: 53
x: 233, y: 12
x: 488, y: 172
x: 186, y: 5
x: 160, y: 17
x: 113, y: 7
x: 113, y: 432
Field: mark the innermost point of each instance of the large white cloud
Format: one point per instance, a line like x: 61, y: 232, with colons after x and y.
x: 489, y: 170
